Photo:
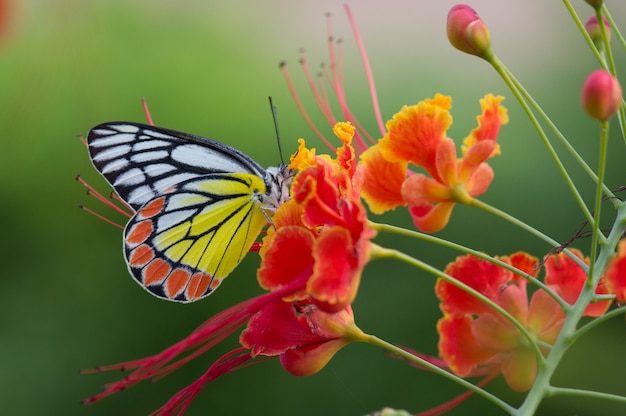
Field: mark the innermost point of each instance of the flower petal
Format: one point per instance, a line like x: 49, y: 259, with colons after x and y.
x: 414, y: 133
x: 458, y: 346
x: 336, y: 274
x: 520, y: 369
x: 431, y: 218
x: 481, y: 275
x: 382, y: 181
x: 286, y: 258
x: 419, y: 190
x: 616, y: 273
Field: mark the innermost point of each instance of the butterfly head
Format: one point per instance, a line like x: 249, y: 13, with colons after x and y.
x: 277, y: 181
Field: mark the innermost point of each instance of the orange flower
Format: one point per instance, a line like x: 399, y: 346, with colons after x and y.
x: 417, y: 135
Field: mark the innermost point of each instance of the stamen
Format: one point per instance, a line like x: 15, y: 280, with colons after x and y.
x: 321, y: 100
x: 368, y: 70
x: 146, y: 111
x: 91, y: 191
x: 83, y: 140
x: 116, y: 197
x: 296, y: 98
x: 101, y: 217
x: 335, y: 78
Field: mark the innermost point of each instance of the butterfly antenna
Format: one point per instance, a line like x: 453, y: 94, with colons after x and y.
x: 277, y: 129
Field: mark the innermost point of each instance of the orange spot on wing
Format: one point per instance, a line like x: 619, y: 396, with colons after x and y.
x: 176, y: 282
x: 156, y: 272
x: 199, y: 284
x: 141, y: 256
x: 139, y: 233
x: 152, y: 208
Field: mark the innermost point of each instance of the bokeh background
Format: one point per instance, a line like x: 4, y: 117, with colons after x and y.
x: 207, y: 67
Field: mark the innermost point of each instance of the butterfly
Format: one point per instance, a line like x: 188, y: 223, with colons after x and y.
x: 199, y: 204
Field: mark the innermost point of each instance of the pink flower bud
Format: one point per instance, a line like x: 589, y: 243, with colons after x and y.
x: 594, y: 30
x: 467, y: 32
x: 601, y: 95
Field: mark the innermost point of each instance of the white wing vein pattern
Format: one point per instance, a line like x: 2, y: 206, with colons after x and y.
x: 142, y: 161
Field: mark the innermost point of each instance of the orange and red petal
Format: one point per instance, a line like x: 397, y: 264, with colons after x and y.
x: 286, y: 257
x: 545, y: 317
x: 492, y: 118
x: 474, y: 158
x: 520, y: 369
x: 274, y: 330
x: 431, y: 218
x: 337, y: 271
x: 481, y: 275
x: 616, y: 273
x: 381, y: 181
x: 414, y: 133
x: 524, y: 262
x: 306, y: 361
x: 420, y: 190
x: 446, y: 162
x: 564, y: 274
x: 458, y: 346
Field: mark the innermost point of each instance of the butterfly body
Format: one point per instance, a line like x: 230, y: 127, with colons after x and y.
x: 200, y: 204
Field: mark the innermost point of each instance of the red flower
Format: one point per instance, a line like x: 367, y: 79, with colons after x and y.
x: 303, y: 336
x: 322, y: 232
x: 473, y: 335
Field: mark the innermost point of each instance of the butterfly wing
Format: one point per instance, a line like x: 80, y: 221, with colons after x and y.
x: 141, y: 162
x: 180, y: 245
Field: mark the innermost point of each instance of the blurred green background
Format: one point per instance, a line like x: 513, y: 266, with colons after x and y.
x: 207, y: 67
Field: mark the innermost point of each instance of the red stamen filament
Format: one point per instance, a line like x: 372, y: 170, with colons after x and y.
x: 101, y: 217
x: 146, y: 111
x: 368, y: 70
x: 298, y: 102
x: 91, y: 191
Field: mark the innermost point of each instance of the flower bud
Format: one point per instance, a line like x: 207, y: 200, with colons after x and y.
x: 467, y: 32
x: 595, y: 32
x: 601, y: 95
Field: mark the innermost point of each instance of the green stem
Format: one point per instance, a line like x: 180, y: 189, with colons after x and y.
x: 541, y: 388
x: 392, y: 229
x: 501, y: 214
x: 382, y: 252
x: 373, y: 340
x: 587, y: 393
x: 597, y: 321
x: 507, y: 77
x: 596, y: 232
x: 563, y: 140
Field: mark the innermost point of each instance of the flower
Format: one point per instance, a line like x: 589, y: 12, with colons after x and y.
x: 303, y: 336
x: 474, y: 335
x: 467, y: 32
x: 601, y: 95
x: 417, y: 135
x: 322, y: 232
